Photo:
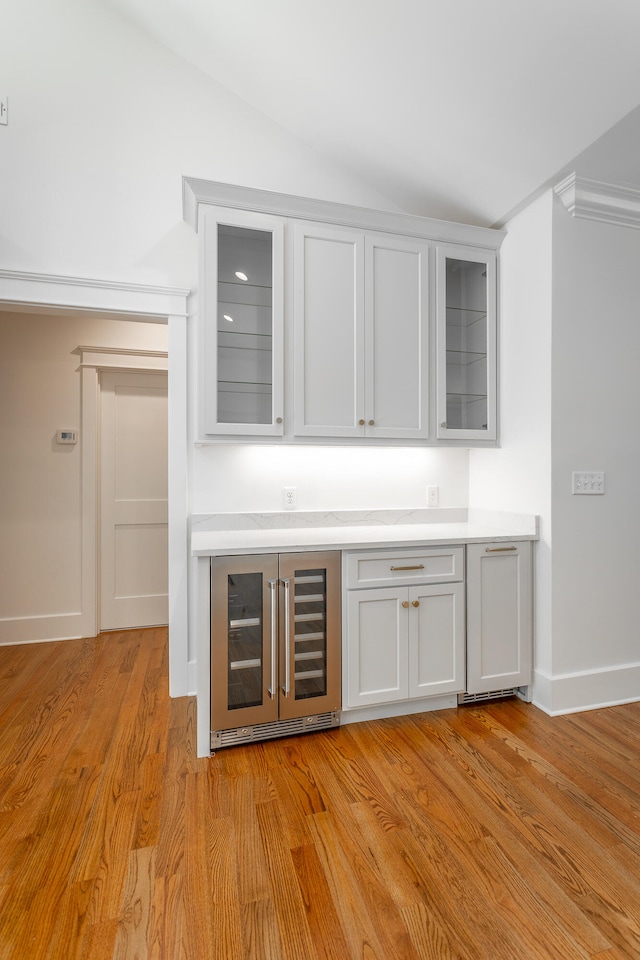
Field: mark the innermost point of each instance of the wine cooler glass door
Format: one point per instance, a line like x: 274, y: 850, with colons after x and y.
x: 244, y: 683
x: 310, y: 634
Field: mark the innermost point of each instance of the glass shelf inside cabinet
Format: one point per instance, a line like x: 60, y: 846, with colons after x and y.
x: 245, y: 325
x: 466, y: 344
x: 245, y: 631
x: 310, y: 633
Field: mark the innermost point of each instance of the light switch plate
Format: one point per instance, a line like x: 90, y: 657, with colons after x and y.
x: 587, y: 482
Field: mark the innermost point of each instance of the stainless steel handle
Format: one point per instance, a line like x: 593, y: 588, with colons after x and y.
x: 274, y: 637
x: 499, y: 549
x: 286, y: 689
x: 418, y: 566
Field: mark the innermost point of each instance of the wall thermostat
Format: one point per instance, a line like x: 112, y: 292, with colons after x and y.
x: 67, y: 436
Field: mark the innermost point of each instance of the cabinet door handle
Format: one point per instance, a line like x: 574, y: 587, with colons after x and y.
x: 416, y: 603
x: 287, y: 636
x: 371, y: 423
x: 274, y: 635
x: 499, y: 549
x: 418, y: 566
x: 361, y: 423
x: 405, y: 604
x: 278, y: 419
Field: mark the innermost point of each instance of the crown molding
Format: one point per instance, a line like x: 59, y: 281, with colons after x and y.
x: 22, y: 289
x: 197, y: 192
x: 600, y: 201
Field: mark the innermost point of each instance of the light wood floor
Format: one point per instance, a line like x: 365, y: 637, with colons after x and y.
x: 485, y: 832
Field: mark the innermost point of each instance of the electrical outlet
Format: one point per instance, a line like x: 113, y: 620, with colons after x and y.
x: 289, y: 498
x: 433, y: 496
x: 587, y: 481
x: 4, y: 110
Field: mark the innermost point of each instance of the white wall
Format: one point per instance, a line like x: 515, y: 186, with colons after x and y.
x: 570, y: 340
x: 228, y: 477
x: 596, y: 346
x: 517, y: 476
x: 103, y: 124
x: 40, y: 480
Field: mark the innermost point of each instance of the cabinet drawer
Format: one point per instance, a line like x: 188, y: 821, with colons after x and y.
x: 378, y: 568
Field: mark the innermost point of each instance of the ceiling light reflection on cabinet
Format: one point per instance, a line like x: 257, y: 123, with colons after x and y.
x: 225, y: 316
x: 241, y: 276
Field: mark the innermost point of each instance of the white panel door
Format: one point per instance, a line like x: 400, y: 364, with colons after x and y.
x: 396, y: 338
x: 436, y: 639
x: 377, y: 646
x: 133, y: 500
x: 499, y: 616
x: 328, y: 332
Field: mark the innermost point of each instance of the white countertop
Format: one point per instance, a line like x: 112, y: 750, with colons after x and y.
x: 345, y: 536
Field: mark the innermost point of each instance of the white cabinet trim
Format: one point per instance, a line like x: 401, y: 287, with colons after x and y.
x: 196, y: 193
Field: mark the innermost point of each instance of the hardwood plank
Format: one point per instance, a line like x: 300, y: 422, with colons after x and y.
x: 346, y: 890
x: 132, y: 937
x: 324, y: 923
x: 294, y: 930
x: 260, y: 931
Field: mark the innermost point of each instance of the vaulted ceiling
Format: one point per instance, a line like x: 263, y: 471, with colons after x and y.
x: 458, y: 109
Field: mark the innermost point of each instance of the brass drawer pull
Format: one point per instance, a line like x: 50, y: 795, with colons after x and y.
x: 499, y: 549
x: 405, y: 604
x: 420, y: 566
x: 416, y: 603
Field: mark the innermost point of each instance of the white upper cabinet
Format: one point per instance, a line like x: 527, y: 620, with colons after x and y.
x: 466, y: 344
x: 324, y: 321
x: 243, y: 321
x: 360, y: 330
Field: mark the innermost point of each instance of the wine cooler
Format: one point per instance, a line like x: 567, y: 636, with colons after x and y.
x: 275, y: 646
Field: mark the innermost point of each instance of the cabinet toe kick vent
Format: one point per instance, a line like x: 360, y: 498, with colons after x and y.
x: 269, y: 731
x: 491, y: 695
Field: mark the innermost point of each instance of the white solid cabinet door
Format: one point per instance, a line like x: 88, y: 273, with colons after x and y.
x: 328, y: 298
x: 436, y: 639
x: 396, y: 337
x: 499, y: 616
x: 133, y: 514
x: 376, y: 646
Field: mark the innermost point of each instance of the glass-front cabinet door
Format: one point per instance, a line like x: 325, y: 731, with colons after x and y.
x: 242, y: 307
x: 466, y: 343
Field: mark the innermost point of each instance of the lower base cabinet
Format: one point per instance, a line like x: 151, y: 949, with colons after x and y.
x: 499, y: 616
x: 438, y: 621
x: 404, y: 641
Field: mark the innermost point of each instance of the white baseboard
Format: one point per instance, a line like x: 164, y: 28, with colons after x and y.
x: 586, y: 690
x: 401, y: 709
x: 61, y: 626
